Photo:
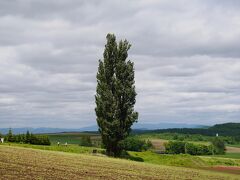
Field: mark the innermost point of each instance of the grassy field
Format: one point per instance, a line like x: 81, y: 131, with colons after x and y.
x: 176, y: 160
x: 71, y: 148
x: 229, y: 155
x: 159, y: 145
x: 73, y: 138
x: 234, y: 145
x: 184, y: 160
x: 26, y: 163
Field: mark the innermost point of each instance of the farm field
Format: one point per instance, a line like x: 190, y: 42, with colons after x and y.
x: 159, y: 145
x: 26, y: 163
x: 71, y: 148
x: 182, y: 160
x: 233, y: 151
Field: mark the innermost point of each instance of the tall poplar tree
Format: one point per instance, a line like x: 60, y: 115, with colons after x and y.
x: 115, y: 95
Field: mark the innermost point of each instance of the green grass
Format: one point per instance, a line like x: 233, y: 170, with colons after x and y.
x: 26, y: 163
x: 72, y: 148
x: 234, y: 145
x: 220, y: 161
x: 183, y: 160
x: 229, y: 155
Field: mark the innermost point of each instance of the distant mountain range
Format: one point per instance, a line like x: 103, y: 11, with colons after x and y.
x: 140, y: 126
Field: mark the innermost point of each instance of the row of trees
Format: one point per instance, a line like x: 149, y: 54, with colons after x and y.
x: 180, y: 147
x: 27, y: 138
x: 227, y: 129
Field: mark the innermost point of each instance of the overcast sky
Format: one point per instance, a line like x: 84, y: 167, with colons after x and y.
x: 186, y: 55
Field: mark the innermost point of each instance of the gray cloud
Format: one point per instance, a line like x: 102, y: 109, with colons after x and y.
x: 186, y: 58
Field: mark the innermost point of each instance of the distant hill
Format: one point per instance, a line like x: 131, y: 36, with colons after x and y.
x: 137, y: 126
x: 226, y: 129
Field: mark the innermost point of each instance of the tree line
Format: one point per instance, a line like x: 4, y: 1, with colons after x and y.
x: 217, y: 146
x: 226, y: 129
x: 28, y: 138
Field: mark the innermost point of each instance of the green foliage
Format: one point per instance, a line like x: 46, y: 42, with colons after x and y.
x: 177, y: 136
x: 86, y: 141
x: 28, y: 138
x: 175, y: 147
x: 180, y: 147
x: 135, y: 144
x: 218, y: 146
x: 20, y: 138
x: 115, y: 95
x: 198, y: 149
x: 10, y: 137
x: 39, y: 139
x: 237, y: 138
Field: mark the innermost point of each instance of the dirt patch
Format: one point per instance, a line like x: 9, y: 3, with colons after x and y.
x: 228, y: 169
x: 158, y: 144
x: 233, y: 149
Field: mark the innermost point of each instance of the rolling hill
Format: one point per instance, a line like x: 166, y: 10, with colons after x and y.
x: 226, y: 129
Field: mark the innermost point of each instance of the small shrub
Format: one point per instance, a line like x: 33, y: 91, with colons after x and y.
x: 197, y: 149
x: 175, y: 147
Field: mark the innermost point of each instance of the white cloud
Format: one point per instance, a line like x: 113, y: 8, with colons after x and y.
x: 186, y: 55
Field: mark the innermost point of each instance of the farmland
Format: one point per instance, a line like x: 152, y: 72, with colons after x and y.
x: 181, y: 160
x: 233, y: 151
x: 73, y: 138
x: 150, y: 160
x: 23, y: 163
